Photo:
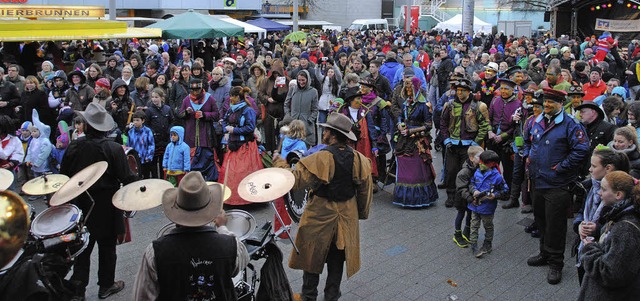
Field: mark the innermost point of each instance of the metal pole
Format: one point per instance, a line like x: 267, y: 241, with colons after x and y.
x: 295, y: 15
x: 112, y: 9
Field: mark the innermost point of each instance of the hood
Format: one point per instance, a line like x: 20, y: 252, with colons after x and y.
x: 391, y: 64
x: 83, y: 79
x: 277, y: 68
x: 60, y: 74
x: 620, y: 91
x: 257, y: 65
x: 44, y: 129
x: 119, y: 83
x: 119, y: 53
x: 305, y: 73
x: 178, y: 130
x: 112, y: 58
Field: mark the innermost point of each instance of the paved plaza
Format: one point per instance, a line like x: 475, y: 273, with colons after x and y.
x: 406, y: 254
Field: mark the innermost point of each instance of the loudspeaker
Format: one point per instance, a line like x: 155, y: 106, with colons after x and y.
x: 547, y: 16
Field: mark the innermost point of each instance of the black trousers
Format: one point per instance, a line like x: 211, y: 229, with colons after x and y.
x: 335, y: 266
x: 106, y: 263
x: 456, y: 155
x: 550, y: 214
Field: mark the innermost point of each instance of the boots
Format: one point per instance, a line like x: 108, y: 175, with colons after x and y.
x: 459, y: 240
x: 513, y: 203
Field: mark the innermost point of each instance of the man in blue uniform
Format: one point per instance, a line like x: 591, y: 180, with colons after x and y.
x: 557, y: 144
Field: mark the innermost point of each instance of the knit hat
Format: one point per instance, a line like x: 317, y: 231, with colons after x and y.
x: 153, y: 48
x: 104, y: 83
x: 553, y: 51
x: 304, y: 55
x: 25, y: 125
x: 48, y: 63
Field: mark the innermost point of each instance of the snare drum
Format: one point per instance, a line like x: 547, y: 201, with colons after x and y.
x: 56, y: 221
x: 240, y: 222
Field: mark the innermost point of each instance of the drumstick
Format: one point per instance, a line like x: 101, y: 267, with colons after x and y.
x: 224, y: 181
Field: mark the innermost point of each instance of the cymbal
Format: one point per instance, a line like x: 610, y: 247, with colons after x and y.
x: 141, y: 195
x: 44, y: 184
x: 79, y: 183
x: 6, y: 178
x: 266, y: 185
x: 227, y: 190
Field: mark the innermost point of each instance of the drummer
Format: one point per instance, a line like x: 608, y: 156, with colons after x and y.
x: 105, y: 223
x: 329, y: 226
x: 179, y: 265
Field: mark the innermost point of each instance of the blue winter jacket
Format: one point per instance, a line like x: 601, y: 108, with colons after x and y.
x: 177, y: 156
x: 142, y: 141
x: 484, y: 181
x: 418, y: 73
x: 389, y: 70
x: 556, y: 152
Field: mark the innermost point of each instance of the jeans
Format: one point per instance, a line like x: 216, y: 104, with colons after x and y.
x: 335, y: 266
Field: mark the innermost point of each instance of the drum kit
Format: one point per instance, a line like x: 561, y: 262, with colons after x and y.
x: 60, y: 229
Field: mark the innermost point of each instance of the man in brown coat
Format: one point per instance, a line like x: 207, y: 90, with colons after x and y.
x: 342, y: 189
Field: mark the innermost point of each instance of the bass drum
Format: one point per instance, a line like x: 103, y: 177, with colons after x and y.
x: 133, y: 159
x: 296, y: 200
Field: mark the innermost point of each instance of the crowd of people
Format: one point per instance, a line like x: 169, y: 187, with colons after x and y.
x: 548, y: 125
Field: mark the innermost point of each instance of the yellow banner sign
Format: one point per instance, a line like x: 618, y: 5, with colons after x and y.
x: 48, y: 11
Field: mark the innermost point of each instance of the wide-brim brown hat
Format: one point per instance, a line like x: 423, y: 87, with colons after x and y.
x: 193, y: 203
x: 98, y: 117
x: 340, y: 123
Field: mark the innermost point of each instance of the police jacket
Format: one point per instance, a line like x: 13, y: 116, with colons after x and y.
x: 556, y: 150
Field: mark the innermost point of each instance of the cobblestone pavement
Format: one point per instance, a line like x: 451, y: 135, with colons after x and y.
x: 407, y: 254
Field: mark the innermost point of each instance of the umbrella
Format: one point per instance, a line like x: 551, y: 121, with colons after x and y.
x: 192, y: 25
x: 296, y: 36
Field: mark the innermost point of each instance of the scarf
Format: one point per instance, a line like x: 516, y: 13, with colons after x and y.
x: 213, y: 85
x: 369, y: 97
x: 198, y: 100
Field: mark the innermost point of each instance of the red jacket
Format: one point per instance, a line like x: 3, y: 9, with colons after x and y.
x: 593, y: 91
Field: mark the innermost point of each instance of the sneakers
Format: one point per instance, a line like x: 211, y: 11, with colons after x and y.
x: 526, y: 209
x: 474, y: 250
x: 512, y: 204
x: 486, y: 247
x: 117, y: 286
x: 554, y: 276
x: 459, y: 240
x: 535, y: 233
x: 537, y: 261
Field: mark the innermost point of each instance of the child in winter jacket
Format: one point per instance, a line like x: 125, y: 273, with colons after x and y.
x: 487, y: 186
x: 141, y: 139
x: 62, y: 142
x: 24, y: 172
x: 40, y: 147
x: 159, y: 119
x: 464, y: 197
x: 293, y: 138
x: 177, y: 157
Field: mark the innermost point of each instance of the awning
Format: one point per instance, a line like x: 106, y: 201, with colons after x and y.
x: 55, y: 30
x: 268, y: 24
x: 193, y: 25
x: 247, y: 27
